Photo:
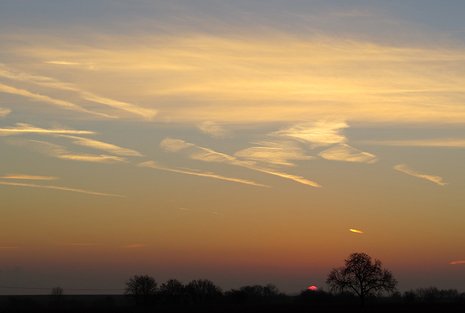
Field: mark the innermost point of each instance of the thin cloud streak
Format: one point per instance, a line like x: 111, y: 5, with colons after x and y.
x: 61, y: 152
x: 356, y: 231
x: 147, y: 114
x: 405, y: 169
x: 35, y: 79
x: 62, y: 62
x: 53, y: 83
x: 296, y: 178
x: 155, y: 165
x: 207, y: 155
x: 60, y: 103
x: 102, y: 146
x: 28, y: 177
x: 446, y: 142
x: 61, y: 188
x: 22, y: 128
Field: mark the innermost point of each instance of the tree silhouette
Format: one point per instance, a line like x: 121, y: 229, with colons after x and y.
x: 57, y: 295
x: 142, y: 288
x: 203, y: 290
x: 173, y: 291
x: 361, y: 276
x: 56, y: 292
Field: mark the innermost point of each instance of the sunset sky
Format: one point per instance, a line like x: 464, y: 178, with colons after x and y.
x: 245, y: 142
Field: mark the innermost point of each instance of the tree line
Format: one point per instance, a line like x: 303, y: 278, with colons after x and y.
x: 145, y: 290
x: 361, y: 277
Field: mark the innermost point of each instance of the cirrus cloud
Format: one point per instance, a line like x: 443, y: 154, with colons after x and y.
x: 405, y: 169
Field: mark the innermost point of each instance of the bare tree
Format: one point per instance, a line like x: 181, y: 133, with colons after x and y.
x: 56, y: 296
x: 56, y: 292
x: 361, y: 276
x: 141, y: 287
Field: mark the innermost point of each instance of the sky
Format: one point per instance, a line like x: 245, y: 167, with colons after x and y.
x: 245, y: 142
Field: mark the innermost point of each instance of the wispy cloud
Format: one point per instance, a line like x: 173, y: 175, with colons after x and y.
x: 174, y: 145
x: 61, y: 152
x: 155, y: 165
x: 102, y: 146
x: 4, y: 112
x: 356, y: 231
x: 405, y: 169
x: 22, y: 128
x: 295, y: 178
x: 61, y: 188
x: 458, y: 262
x: 446, y: 142
x: 60, y: 103
x: 278, y: 153
x: 207, y: 155
x: 320, y: 133
x: 346, y: 153
x: 213, y: 129
x: 28, y: 177
x: 266, y: 77
x: 54, y: 83
x: 146, y: 113
x: 45, y: 81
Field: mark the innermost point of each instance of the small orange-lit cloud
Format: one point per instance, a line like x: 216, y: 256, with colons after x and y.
x: 137, y: 245
x: 458, y: 262
x: 80, y: 244
x: 356, y: 231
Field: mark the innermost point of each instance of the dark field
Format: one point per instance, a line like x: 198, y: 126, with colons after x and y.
x: 120, y: 303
